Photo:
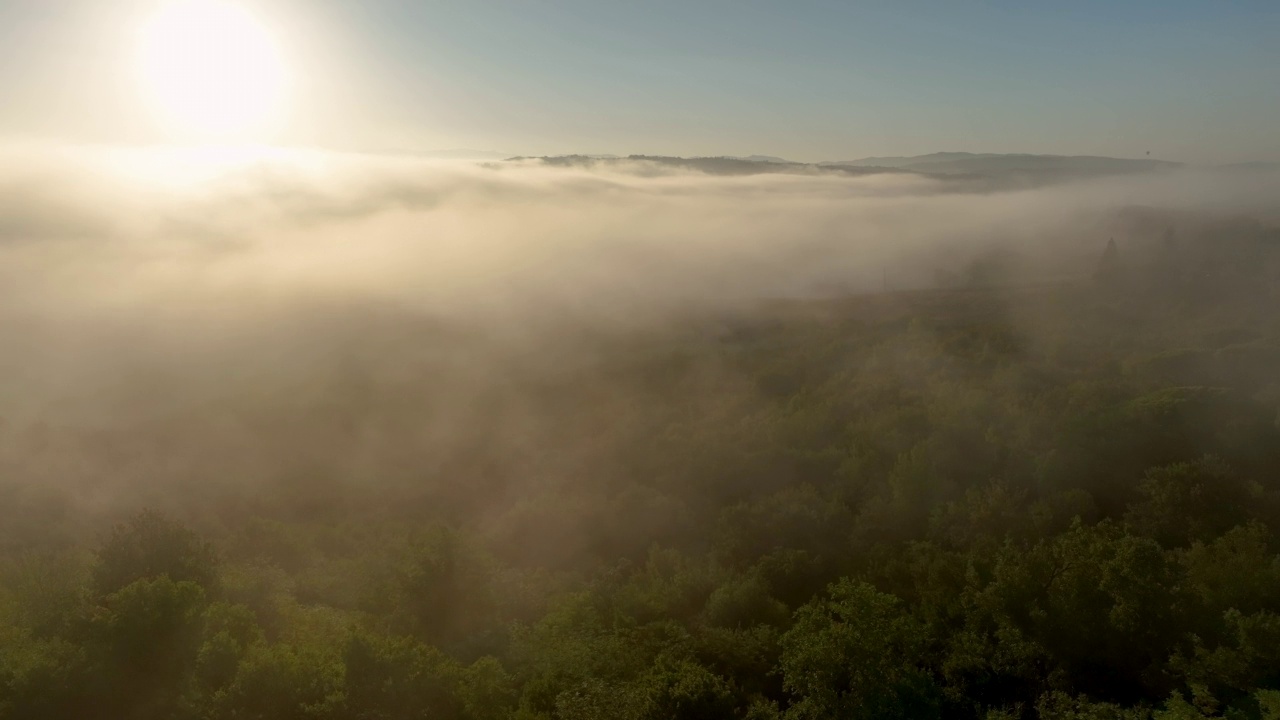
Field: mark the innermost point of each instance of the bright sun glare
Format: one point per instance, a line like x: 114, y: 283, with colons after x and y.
x: 211, y: 70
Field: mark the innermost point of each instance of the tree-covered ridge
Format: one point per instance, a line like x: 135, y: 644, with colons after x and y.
x: 1053, y: 501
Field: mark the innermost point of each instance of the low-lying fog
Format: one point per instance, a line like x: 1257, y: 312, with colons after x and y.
x: 235, y: 320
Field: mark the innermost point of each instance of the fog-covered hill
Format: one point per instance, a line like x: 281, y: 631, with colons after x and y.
x: 960, y: 162
x: 955, y: 172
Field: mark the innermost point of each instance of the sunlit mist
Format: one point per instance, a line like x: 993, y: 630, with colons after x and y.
x: 570, y: 360
x: 211, y: 70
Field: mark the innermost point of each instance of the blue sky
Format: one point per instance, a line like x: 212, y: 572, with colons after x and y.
x: 1196, y: 81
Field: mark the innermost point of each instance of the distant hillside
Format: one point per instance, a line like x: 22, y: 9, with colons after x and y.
x: 951, y: 163
x: 709, y: 165
x: 954, y: 172
x: 763, y: 158
x: 902, y: 162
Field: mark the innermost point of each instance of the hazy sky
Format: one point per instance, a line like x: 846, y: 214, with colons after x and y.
x: 1194, y: 81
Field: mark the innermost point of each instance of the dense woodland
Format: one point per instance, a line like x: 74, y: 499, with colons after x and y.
x: 997, y: 500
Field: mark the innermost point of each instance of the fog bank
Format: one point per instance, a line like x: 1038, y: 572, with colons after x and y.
x: 230, y: 319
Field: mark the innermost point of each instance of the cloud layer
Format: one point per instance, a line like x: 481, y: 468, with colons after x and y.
x: 222, y: 316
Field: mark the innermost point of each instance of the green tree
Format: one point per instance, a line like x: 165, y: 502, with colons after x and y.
x: 277, y: 682
x: 1184, y: 502
x: 854, y: 654
x: 142, y: 643
x: 151, y: 545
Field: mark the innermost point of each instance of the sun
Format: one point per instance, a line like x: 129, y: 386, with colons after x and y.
x: 211, y: 70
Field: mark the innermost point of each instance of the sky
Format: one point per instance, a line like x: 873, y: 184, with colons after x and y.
x: 807, y: 80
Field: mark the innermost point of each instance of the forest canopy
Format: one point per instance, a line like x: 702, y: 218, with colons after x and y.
x: 988, y: 494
